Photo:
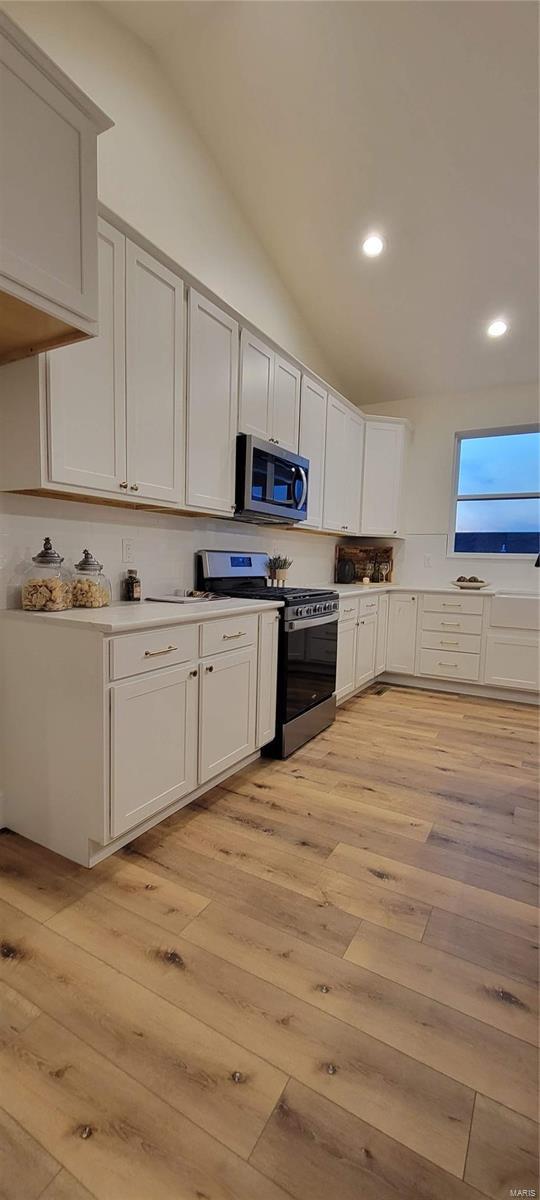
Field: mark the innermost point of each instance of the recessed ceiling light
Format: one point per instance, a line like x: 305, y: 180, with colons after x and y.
x: 373, y: 245
x: 497, y: 328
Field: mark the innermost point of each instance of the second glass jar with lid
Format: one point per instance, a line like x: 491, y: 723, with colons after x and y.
x: 90, y: 587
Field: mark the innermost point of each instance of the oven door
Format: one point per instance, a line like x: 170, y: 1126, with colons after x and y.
x: 307, y: 665
x: 271, y: 483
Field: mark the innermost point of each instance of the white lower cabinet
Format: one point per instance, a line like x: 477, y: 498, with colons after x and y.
x: 153, y: 744
x: 382, y: 635
x: 346, y: 653
x: 133, y: 723
x: 228, y: 711
x: 365, y: 650
x: 267, y: 678
x: 401, y: 642
x: 513, y: 661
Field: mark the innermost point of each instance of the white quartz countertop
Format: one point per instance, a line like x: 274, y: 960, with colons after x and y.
x: 361, y: 589
x: 130, y: 616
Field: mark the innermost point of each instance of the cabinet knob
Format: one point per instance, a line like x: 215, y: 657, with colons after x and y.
x: 123, y: 485
x: 209, y: 669
x: 193, y: 674
x: 134, y: 487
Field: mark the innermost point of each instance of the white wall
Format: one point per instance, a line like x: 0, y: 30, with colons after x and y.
x: 428, y: 480
x: 155, y: 172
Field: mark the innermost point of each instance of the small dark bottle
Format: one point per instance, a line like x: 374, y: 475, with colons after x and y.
x: 132, y: 585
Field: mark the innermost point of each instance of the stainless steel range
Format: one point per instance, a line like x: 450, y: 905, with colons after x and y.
x: 307, y: 646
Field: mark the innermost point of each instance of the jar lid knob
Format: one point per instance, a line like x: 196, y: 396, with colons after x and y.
x: 88, y: 563
x: 47, y: 557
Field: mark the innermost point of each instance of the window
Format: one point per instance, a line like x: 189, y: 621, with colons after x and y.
x: 497, y: 493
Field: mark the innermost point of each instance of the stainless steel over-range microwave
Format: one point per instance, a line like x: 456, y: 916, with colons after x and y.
x: 271, y: 483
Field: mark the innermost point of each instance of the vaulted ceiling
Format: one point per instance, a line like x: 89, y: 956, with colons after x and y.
x: 418, y: 119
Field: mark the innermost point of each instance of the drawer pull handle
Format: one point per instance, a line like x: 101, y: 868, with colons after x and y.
x: 447, y: 664
x: 448, y: 643
x: 451, y: 604
x: 346, y: 610
x: 452, y: 624
x: 155, y: 653
x: 230, y: 637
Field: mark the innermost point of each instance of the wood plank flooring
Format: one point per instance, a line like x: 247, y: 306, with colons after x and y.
x: 319, y: 979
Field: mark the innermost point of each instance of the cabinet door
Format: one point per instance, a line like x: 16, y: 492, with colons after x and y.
x: 86, y: 387
x: 312, y: 443
x: 49, y: 187
x: 153, y: 744
x: 267, y: 677
x: 345, y: 666
x: 154, y: 379
x: 401, y: 643
x: 382, y: 634
x: 354, y: 451
x: 513, y: 661
x: 383, y: 464
x: 228, y: 711
x: 286, y: 410
x: 212, y: 405
x: 336, y: 459
x: 366, y: 636
x: 256, y: 387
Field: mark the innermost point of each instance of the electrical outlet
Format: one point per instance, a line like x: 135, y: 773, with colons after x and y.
x: 128, y: 551
x: 427, y: 560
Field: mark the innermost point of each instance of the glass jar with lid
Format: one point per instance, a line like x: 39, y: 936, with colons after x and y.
x: 90, y: 588
x: 46, y: 586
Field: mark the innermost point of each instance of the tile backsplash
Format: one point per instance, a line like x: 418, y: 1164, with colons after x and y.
x: 163, y: 545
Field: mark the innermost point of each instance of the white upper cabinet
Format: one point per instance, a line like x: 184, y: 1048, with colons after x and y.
x: 154, y: 377
x: 286, y: 409
x: 256, y: 386
x: 343, y: 468
x: 212, y: 405
x: 269, y: 405
x: 48, y: 214
x: 312, y: 443
x: 354, y: 451
x: 383, y: 470
x: 334, y: 469
x: 86, y: 387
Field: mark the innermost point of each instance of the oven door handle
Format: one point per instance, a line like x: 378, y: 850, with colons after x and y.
x: 291, y: 626
x: 303, y: 477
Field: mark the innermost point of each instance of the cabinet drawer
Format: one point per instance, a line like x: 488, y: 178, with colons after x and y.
x: 368, y: 605
x: 348, y: 610
x: 454, y: 604
x: 451, y: 623
x: 468, y: 642
x: 136, y: 653
x: 449, y: 665
x: 229, y: 634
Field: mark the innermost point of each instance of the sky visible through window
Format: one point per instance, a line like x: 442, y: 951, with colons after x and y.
x: 495, y: 465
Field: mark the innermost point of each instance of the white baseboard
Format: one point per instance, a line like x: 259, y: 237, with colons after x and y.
x: 465, y: 689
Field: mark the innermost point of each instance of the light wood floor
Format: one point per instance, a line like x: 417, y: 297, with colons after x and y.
x: 319, y: 981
